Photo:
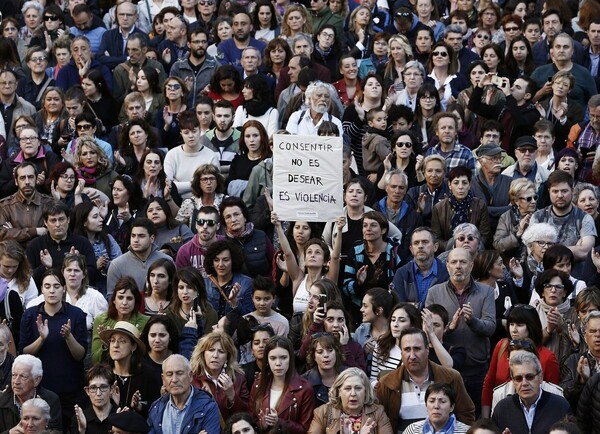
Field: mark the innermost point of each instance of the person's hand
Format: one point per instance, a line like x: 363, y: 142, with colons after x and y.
x: 80, y: 186
x: 55, y: 194
x: 421, y: 202
x: 125, y: 215
x: 369, y: 346
x: 541, y: 110
x: 583, y: 369
x: 361, y: 35
x: 102, y: 207
x: 150, y: 187
x: 115, y: 392
x: 81, y: 420
x: 372, y: 177
x: 359, y: 110
x: 42, y: 327
x: 65, y: 329
x: 271, y: 418
x: 419, y: 163
x: 84, y: 67
x: 465, y: 98
x: 368, y: 427
x: 102, y: 262
x: 361, y: 274
x: 191, y: 322
x: 467, y: 312
x: 226, y: 384
x: 189, y: 83
x: 554, y: 319
x: 166, y: 55
x: 523, y: 224
x: 45, y: 258
x: 280, y: 261
x: 574, y: 334
x: 17, y: 429
x: 427, y: 322
x: 546, y: 89
x: 235, y: 290
x: 167, y: 190
x: 340, y: 222
x: 48, y: 40
x: 486, y: 79
x: 136, y: 401
x: 167, y: 116
x: 119, y: 158
x: 73, y: 251
x: 506, y: 431
x: 455, y: 319
x: 275, y: 220
x: 268, y: 198
x: 344, y: 335
x: 515, y: 268
x: 67, y: 156
x: 40, y: 178
x: 319, y: 315
x: 130, y: 74
x: 387, y: 162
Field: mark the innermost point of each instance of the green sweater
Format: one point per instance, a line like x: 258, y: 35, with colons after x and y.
x: 137, y: 319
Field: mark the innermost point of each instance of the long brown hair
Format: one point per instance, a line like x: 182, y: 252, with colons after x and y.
x: 13, y: 250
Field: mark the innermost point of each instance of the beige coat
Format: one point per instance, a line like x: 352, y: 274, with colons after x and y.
x: 326, y: 420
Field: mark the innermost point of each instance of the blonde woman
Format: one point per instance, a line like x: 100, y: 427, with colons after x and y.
x: 93, y: 165
x: 399, y: 53
x: 295, y: 20
x: 216, y: 370
x: 357, y: 40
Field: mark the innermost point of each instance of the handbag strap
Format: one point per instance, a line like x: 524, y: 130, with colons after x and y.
x: 213, y: 280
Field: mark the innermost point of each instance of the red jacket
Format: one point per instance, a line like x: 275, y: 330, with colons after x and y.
x: 295, y: 407
x: 226, y: 409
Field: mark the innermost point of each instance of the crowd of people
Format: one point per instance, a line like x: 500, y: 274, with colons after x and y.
x: 147, y: 286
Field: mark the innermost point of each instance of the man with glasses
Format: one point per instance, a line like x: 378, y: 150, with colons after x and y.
x: 85, y: 25
x: 27, y: 373
x: 472, y: 307
x: 32, y: 87
x: 576, y: 229
x: 208, y: 223
x: 526, y: 165
x: 112, y: 50
x: 49, y: 250
x: 531, y: 409
x: 197, y: 70
x: 81, y: 62
x: 11, y: 105
x: 489, y: 184
x: 585, y: 137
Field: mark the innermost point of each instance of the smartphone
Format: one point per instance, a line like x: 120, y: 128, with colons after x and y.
x: 550, y: 79
x: 323, y: 301
x: 195, y: 304
x: 497, y: 81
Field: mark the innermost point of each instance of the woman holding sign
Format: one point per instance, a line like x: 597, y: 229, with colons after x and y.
x: 317, y: 262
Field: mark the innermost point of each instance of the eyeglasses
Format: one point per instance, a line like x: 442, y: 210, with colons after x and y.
x: 528, y: 377
x: 520, y: 343
x: 526, y: 150
x: 67, y: 177
x: 327, y: 35
x: 530, y: 198
x: 208, y: 179
x: 84, y: 127
x: 8, y: 83
x: 463, y: 238
x: 483, y: 36
x: 51, y: 18
x: 209, y: 223
x: 554, y: 286
x: 174, y: 86
x: 320, y: 335
x: 199, y: 42
x: 38, y: 59
x: 544, y: 243
x: 404, y: 144
x: 103, y: 388
x: 511, y: 29
x: 28, y: 139
x: 440, y: 53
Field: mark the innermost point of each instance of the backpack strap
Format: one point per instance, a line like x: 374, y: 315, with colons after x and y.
x: 301, y: 117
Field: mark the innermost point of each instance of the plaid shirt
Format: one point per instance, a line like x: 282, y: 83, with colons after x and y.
x: 459, y: 156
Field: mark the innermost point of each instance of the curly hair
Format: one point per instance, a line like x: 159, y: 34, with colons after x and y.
x: 90, y: 142
x: 329, y: 342
x: 218, y: 247
x: 198, y: 362
x: 306, y: 28
x: 126, y: 147
x: 207, y: 169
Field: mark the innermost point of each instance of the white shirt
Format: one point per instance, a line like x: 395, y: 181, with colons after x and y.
x: 306, y: 126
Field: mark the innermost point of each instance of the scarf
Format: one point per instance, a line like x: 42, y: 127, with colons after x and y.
x: 247, y: 231
x: 543, y: 308
x: 256, y: 108
x: 447, y: 429
x: 377, y: 63
x: 88, y: 174
x: 462, y: 209
x: 515, y: 216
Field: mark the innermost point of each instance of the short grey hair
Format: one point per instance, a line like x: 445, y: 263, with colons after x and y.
x: 466, y: 227
x: 417, y: 65
x: 539, y: 231
x: 581, y: 187
x: 179, y: 357
x: 524, y: 357
x: 32, y: 5
x: 452, y: 28
x: 301, y: 36
x: 253, y: 49
x: 592, y: 315
x: 40, y: 404
x: 32, y: 362
x: 388, y: 176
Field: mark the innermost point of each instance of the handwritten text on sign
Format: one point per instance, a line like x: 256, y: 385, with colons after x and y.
x: 307, y: 177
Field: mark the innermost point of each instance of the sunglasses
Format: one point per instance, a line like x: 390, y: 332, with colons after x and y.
x: 174, y: 86
x: 462, y: 238
x: 483, y: 36
x: 206, y: 3
x: 209, y: 223
x: 528, y: 377
x: 264, y: 327
x: 84, y: 127
x: 511, y: 29
x: 530, y: 198
x: 51, y: 18
x: 440, y: 53
x: 403, y: 144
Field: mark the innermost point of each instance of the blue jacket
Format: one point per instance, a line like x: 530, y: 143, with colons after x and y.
x: 203, y: 414
x: 244, y: 297
x: 406, y: 221
x: 112, y: 43
x: 69, y: 75
x: 405, y: 283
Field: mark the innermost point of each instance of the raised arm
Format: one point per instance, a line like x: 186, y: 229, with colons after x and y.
x: 334, y: 265
x: 293, y: 269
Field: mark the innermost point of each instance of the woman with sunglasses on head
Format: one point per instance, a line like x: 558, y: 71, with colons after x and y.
x: 522, y: 322
x: 325, y: 359
x: 280, y: 397
x: 216, y: 370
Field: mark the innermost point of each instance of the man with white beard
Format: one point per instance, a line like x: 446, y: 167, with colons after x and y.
x: 307, y: 121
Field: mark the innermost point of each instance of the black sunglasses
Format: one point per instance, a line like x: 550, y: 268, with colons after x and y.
x: 51, y: 18
x: 210, y: 223
x: 264, y: 327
